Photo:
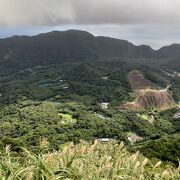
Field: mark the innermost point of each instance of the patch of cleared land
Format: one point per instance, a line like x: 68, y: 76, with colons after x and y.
x: 104, y: 105
x: 133, y: 137
x: 146, y: 94
x: 146, y: 117
x: 102, y: 116
x: 67, y: 118
x: 138, y: 81
x: 177, y: 115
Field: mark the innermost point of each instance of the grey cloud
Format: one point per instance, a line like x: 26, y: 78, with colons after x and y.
x: 35, y: 12
x: 58, y: 12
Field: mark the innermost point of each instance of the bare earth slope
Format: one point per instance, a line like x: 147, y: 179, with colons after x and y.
x: 147, y: 94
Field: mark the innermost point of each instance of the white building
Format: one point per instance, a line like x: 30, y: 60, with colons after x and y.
x: 104, y: 105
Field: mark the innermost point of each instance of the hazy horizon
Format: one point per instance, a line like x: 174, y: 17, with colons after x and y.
x: 152, y: 22
x: 96, y: 32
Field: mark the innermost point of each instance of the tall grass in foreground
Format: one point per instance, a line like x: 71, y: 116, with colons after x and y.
x: 83, y: 161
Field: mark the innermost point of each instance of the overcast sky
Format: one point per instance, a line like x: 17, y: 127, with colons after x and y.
x: 153, y: 22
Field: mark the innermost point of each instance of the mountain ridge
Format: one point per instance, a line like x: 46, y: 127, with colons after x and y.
x: 75, y: 45
x: 82, y: 31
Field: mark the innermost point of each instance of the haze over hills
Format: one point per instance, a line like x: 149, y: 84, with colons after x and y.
x: 75, y: 45
x: 76, y: 105
x: 68, y: 86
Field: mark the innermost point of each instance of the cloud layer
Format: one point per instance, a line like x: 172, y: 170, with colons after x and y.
x: 58, y: 12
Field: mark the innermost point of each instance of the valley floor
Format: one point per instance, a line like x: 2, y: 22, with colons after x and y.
x: 69, y: 102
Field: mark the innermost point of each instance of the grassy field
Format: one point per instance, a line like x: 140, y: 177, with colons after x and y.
x: 66, y: 118
x: 146, y: 117
x: 83, y: 161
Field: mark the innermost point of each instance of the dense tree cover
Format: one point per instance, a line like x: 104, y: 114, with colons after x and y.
x: 166, y: 148
x: 102, y: 81
x: 74, y: 45
x: 63, y: 103
x: 176, y: 88
x: 157, y: 76
x: 52, y: 86
x: 25, y: 123
x: 42, y: 83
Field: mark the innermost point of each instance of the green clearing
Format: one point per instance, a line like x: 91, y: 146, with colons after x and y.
x: 67, y: 118
x: 143, y: 116
x: 29, y: 113
x: 146, y: 117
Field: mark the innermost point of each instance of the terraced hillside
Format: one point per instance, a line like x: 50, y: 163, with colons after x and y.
x: 137, y: 81
x: 148, y: 94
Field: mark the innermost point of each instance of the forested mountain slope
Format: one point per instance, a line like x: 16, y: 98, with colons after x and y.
x: 73, y: 45
x: 68, y: 86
